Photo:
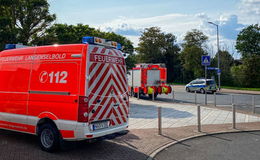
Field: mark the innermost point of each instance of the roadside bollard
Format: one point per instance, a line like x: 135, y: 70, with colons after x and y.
x: 206, y: 97
x: 215, y: 99
x: 159, y: 120
x: 153, y: 96
x: 253, y: 104
x: 173, y: 96
x: 232, y: 99
x: 199, y: 119
x: 195, y: 97
x: 138, y: 95
x: 234, y: 116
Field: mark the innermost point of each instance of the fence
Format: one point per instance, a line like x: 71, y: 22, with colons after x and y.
x: 243, y: 102
x: 147, y: 113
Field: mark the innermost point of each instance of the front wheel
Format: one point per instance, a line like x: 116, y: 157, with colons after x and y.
x: 187, y: 89
x: 202, y: 91
x: 49, y: 138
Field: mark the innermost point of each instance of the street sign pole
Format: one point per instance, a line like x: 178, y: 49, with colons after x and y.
x: 205, y: 60
x: 206, y: 84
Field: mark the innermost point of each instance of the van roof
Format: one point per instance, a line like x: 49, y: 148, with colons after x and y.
x: 74, y: 48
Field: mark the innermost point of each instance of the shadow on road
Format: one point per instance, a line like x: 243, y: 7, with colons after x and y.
x: 15, y: 145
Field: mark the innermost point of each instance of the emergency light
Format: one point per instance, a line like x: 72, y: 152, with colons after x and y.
x: 101, y: 41
x: 14, y: 46
x: 10, y: 46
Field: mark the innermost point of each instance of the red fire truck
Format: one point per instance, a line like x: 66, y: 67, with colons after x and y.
x: 64, y: 92
x: 148, y: 79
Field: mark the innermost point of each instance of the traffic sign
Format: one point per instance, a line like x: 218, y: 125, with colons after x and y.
x: 205, y: 60
x: 219, y: 71
x: 212, y: 68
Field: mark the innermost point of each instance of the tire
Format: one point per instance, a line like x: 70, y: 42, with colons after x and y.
x: 49, y: 137
x: 202, y: 91
x: 187, y: 89
x: 151, y: 96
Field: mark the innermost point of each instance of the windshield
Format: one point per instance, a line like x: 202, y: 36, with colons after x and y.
x: 210, y: 82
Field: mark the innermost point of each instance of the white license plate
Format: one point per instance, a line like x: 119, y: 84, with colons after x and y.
x: 99, y: 125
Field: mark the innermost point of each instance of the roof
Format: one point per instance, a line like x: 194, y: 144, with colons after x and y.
x: 74, y: 48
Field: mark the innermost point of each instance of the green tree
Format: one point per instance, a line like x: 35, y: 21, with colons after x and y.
x: 69, y: 34
x: 131, y: 60
x: 252, y: 71
x: 65, y: 34
x: 158, y: 47
x: 193, y: 49
x: 238, y: 75
x: 151, y: 45
x: 248, y: 41
x: 195, y: 38
x: 247, y: 44
x: 25, y: 18
x: 8, y: 31
x: 226, y: 62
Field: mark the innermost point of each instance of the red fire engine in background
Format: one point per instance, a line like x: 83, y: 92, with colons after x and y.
x: 148, y: 79
x: 64, y: 92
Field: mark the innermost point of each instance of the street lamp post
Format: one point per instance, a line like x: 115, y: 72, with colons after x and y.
x: 218, y: 54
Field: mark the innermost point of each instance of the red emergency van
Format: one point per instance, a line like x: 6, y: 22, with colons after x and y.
x: 64, y: 92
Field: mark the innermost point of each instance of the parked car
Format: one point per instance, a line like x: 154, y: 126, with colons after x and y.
x: 199, y: 85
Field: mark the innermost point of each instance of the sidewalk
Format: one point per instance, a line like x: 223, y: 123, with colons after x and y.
x: 144, y: 115
x: 148, y: 141
x: 223, y: 90
x: 179, y: 122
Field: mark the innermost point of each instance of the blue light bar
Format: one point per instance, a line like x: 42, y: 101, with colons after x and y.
x: 14, y: 46
x: 89, y: 40
x: 10, y: 46
x: 101, y: 41
x: 119, y: 46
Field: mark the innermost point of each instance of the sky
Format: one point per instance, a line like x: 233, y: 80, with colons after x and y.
x: 130, y: 18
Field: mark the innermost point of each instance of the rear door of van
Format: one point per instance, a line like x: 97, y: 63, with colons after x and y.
x: 106, y: 87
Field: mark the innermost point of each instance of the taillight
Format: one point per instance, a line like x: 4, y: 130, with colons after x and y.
x: 83, y: 109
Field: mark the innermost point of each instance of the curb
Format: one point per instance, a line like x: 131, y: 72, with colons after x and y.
x: 158, y: 150
x: 234, y: 92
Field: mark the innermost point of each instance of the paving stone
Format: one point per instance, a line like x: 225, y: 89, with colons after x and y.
x: 177, y: 115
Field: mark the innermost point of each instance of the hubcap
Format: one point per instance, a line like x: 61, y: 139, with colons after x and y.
x: 47, y: 138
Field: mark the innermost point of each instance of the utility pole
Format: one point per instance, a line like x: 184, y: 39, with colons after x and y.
x: 218, y: 52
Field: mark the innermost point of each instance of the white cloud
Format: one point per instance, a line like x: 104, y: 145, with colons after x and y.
x: 249, y: 11
x: 178, y: 24
x: 229, y: 26
x: 250, y: 6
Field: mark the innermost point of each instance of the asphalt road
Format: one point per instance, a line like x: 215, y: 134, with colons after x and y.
x: 242, y: 101
x: 19, y: 146
x: 233, y: 146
